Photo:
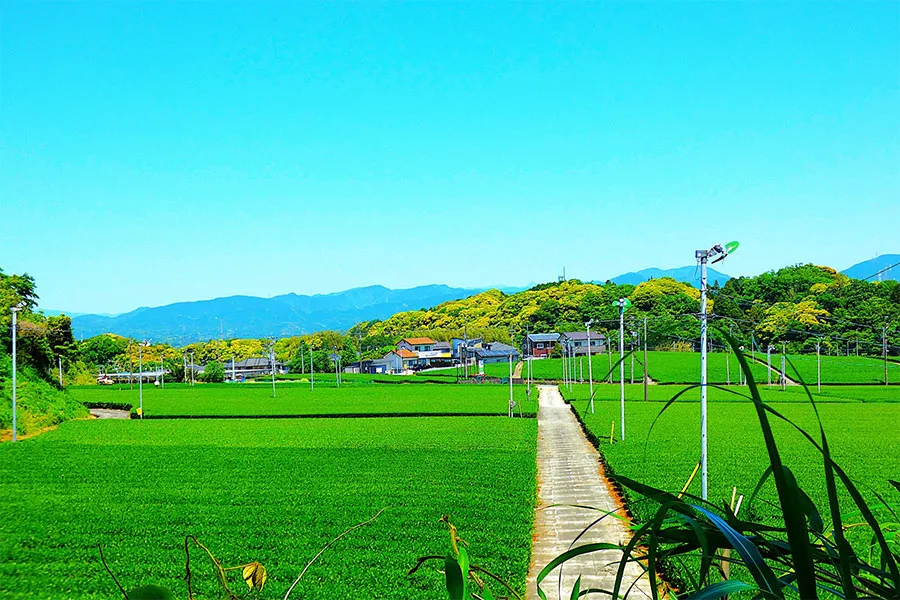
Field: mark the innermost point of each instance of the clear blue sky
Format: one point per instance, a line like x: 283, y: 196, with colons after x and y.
x: 152, y: 153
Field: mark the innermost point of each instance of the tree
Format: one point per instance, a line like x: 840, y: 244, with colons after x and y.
x: 214, y: 372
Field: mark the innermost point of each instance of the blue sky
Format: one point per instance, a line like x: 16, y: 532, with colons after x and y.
x: 153, y: 153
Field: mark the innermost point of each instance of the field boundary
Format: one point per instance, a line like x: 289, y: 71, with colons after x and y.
x: 337, y: 416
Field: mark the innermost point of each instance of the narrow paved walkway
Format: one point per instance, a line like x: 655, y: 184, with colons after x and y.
x: 568, y: 473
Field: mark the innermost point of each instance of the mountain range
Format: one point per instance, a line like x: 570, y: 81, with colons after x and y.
x: 250, y: 316
x: 872, y: 269
x: 689, y: 275
x: 293, y: 314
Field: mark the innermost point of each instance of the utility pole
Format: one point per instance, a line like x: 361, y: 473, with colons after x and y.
x: 233, y: 374
x: 312, y: 375
x: 633, y: 338
x: 646, y: 383
x: 609, y: 356
x: 728, y: 360
x: 59, y: 360
x: 15, y: 310
x: 565, y: 366
x: 337, y: 368
x: 783, y: 369
x: 769, y: 363
x: 717, y: 252
x: 192, y: 368
x: 818, y: 368
x: 272, y: 356
x: 512, y: 402
x: 141, y: 377
x: 884, y: 352
x: 587, y: 325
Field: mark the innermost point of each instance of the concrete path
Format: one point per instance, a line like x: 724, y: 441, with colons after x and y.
x: 109, y: 413
x: 568, y: 473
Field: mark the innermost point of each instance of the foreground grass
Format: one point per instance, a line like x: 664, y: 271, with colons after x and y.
x: 272, y: 491
x: 297, y: 399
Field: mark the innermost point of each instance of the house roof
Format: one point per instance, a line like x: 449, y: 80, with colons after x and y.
x: 421, y: 341
x: 404, y: 353
x: 252, y: 363
x: 491, y: 353
x: 543, y: 337
x: 582, y: 335
x: 501, y: 347
x: 442, y: 345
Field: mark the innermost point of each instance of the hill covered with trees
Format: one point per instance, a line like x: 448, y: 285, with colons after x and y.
x: 798, y: 306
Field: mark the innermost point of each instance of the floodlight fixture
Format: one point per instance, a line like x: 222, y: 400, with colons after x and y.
x: 716, y: 254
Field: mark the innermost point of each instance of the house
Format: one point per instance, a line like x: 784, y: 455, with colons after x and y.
x: 399, y: 361
x: 468, y: 346
x: 577, y: 341
x: 496, y: 352
x: 540, y: 344
x: 251, y: 367
x: 417, y: 344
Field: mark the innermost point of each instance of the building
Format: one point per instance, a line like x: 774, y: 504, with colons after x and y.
x: 468, y: 346
x: 417, y: 344
x: 252, y: 367
x: 399, y: 361
x: 496, y: 352
x: 540, y: 344
x: 577, y: 341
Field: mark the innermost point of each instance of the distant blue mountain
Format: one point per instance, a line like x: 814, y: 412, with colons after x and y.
x: 868, y: 268
x: 690, y: 275
x: 250, y: 316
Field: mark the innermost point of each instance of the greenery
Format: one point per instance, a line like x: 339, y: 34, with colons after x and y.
x: 784, y: 539
x: 39, y: 403
x: 496, y: 370
x: 262, y: 490
x: 214, y: 372
x: 297, y: 399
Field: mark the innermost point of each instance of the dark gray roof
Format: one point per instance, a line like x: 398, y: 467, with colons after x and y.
x: 252, y: 363
x: 501, y: 347
x: 582, y: 335
x: 442, y: 345
x: 490, y: 353
x: 543, y: 337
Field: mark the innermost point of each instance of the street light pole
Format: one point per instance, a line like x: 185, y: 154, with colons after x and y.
x: 623, y: 304
x: 717, y: 252
x: 587, y: 326
x: 141, y: 377
x: 15, y: 310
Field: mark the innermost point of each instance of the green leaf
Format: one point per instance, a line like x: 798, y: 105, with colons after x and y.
x: 720, y: 589
x: 576, y: 591
x: 150, y: 592
x: 753, y: 560
x: 455, y: 585
x: 463, y: 561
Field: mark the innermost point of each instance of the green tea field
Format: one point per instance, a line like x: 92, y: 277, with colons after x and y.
x: 273, y: 491
x: 499, y: 370
x: 684, y: 367
x: 862, y: 432
x: 255, y: 399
